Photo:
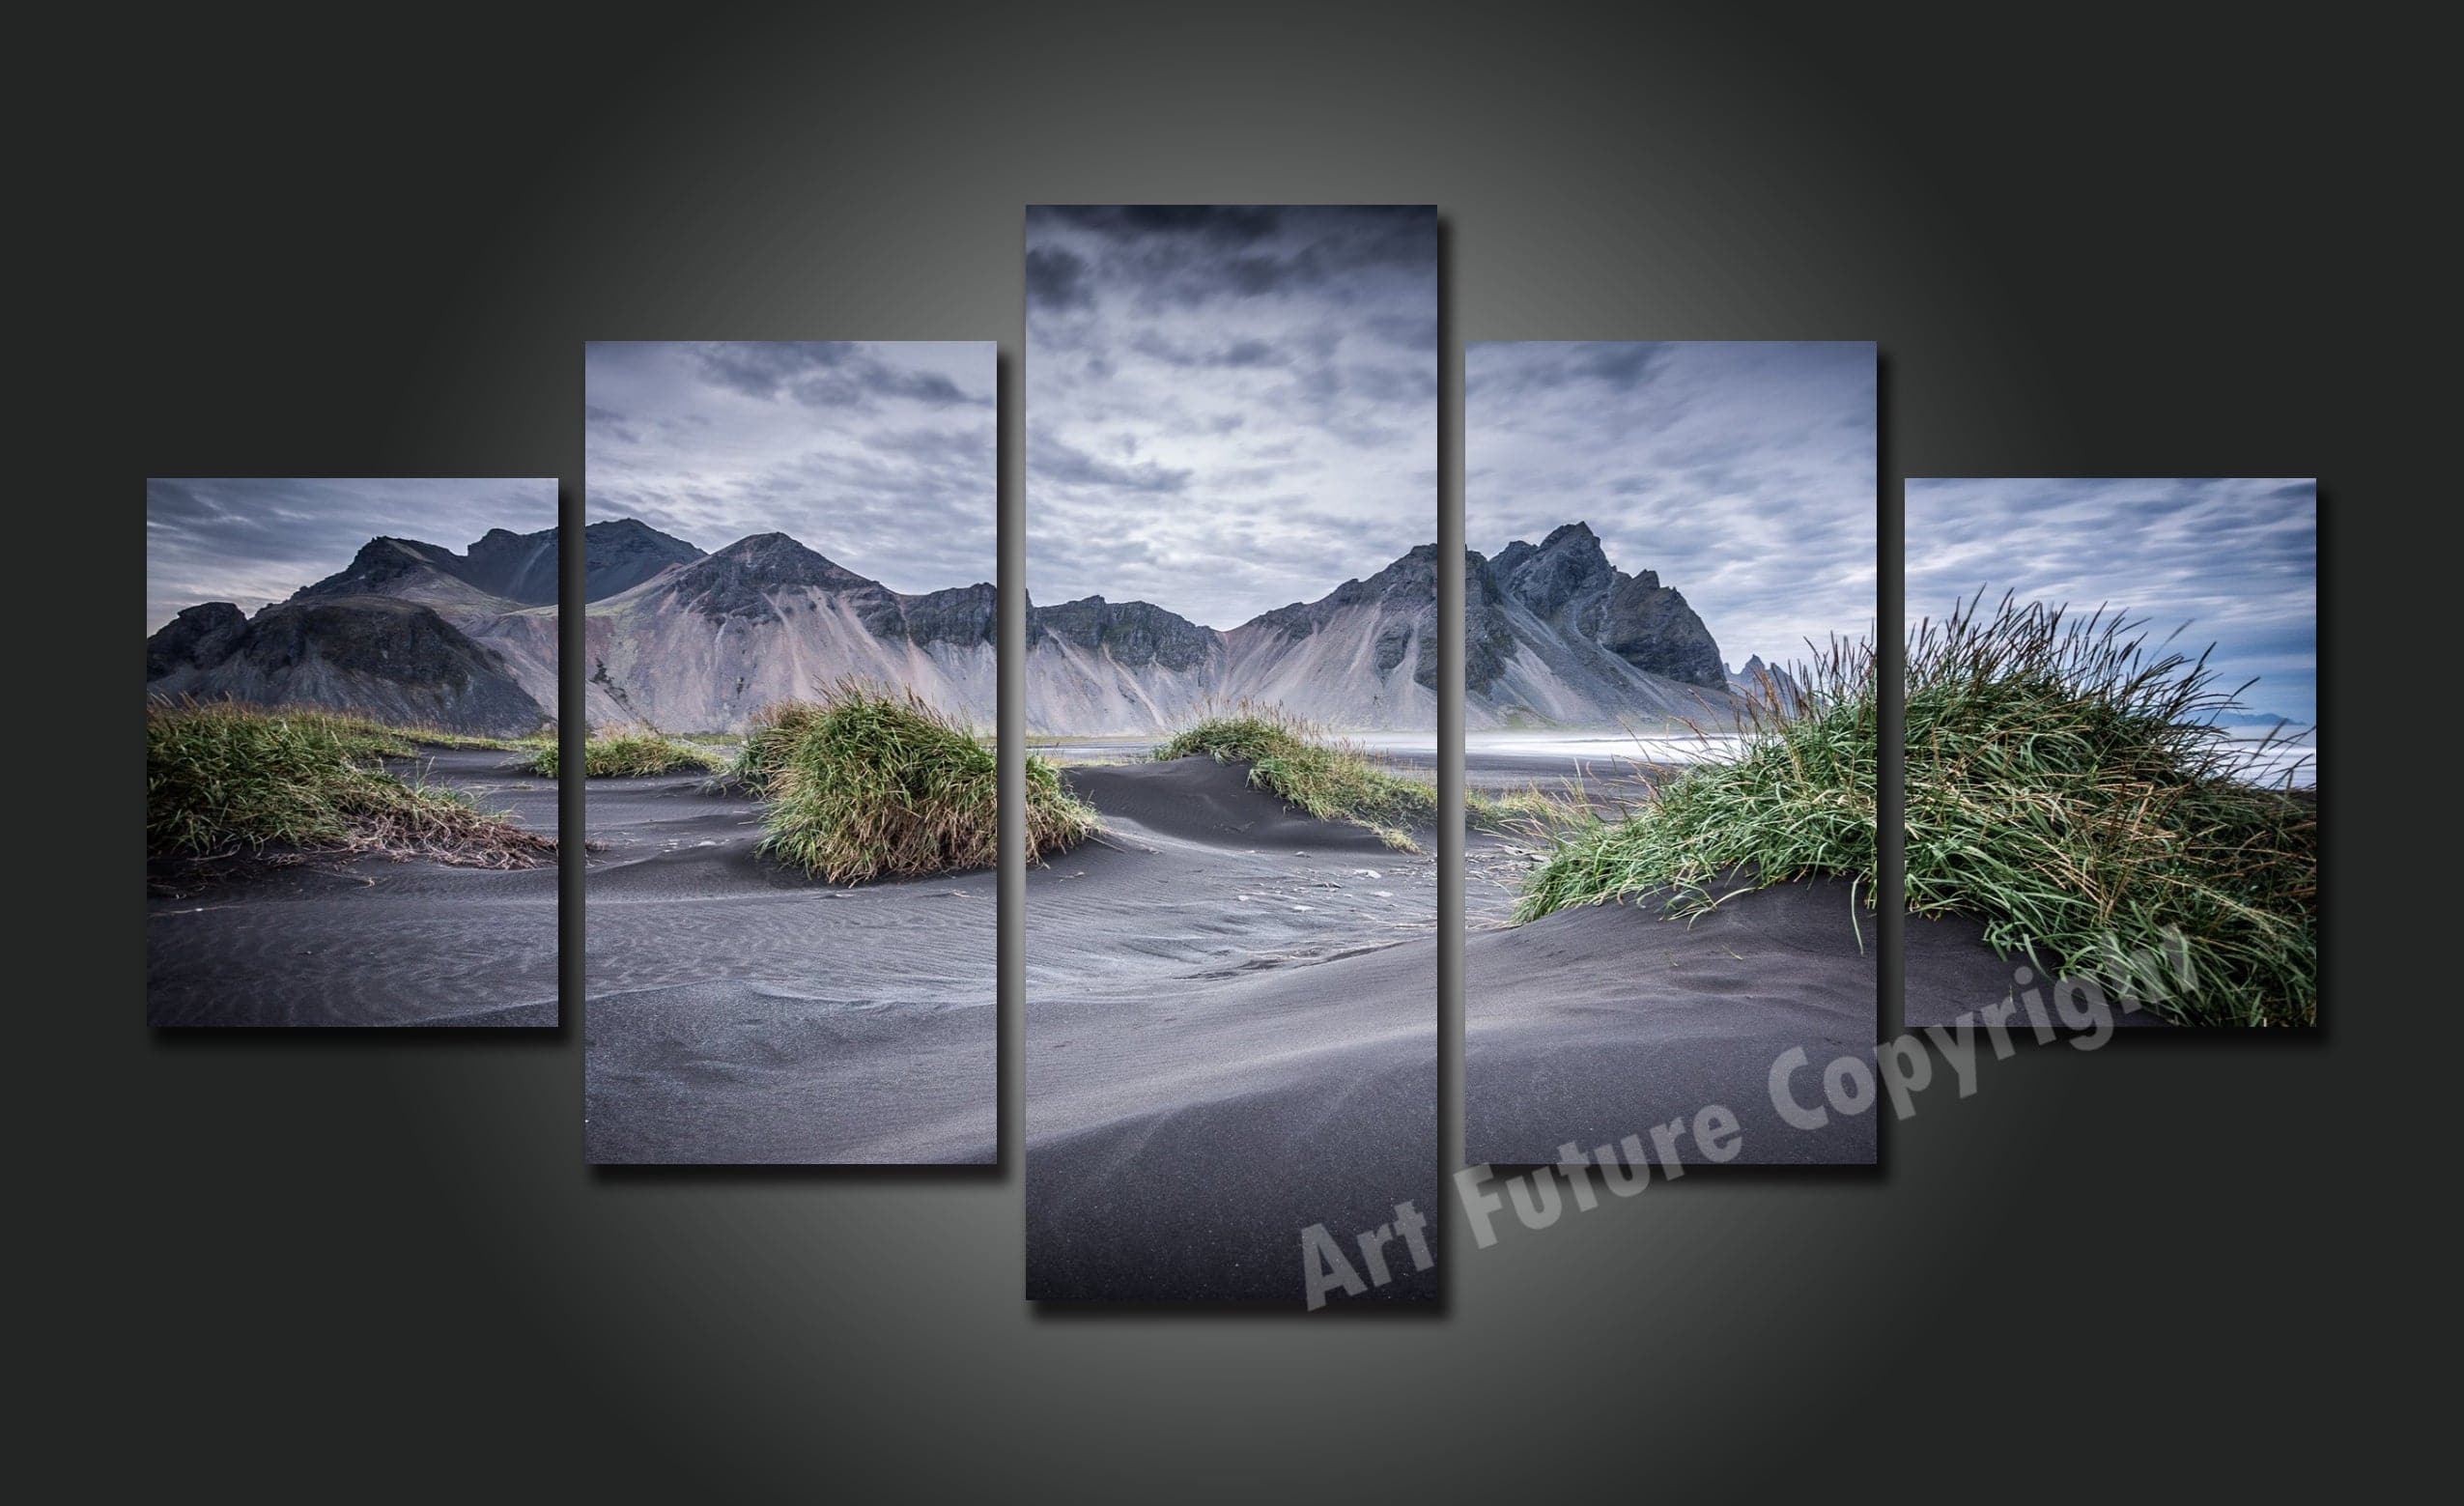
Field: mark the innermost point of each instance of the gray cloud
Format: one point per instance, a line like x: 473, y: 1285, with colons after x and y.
x: 832, y: 374
x: 1052, y: 461
x: 1743, y: 471
x: 256, y: 541
x: 2230, y: 562
x: 878, y: 454
x: 1229, y: 408
x: 1055, y: 279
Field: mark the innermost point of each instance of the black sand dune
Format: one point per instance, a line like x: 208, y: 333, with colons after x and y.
x: 742, y: 1014
x: 1952, y: 970
x: 1600, y: 1022
x: 1231, y: 1034
x: 364, y: 941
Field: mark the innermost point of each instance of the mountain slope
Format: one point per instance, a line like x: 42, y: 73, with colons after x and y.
x: 381, y: 656
x: 1554, y: 634
x: 620, y: 555
x: 408, y: 630
x: 703, y: 646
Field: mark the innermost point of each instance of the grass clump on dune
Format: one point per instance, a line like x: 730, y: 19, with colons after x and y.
x: 2069, y: 784
x: 867, y: 783
x: 225, y: 779
x: 1309, y: 771
x: 1795, y: 799
x: 622, y: 753
x: 776, y: 731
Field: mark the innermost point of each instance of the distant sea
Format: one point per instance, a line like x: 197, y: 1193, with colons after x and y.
x: 2261, y: 759
x: 2266, y: 759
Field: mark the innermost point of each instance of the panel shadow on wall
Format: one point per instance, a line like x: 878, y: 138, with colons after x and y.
x: 1231, y: 660
x: 2113, y: 751
x: 1668, y: 613
x: 340, y: 829
x: 791, y: 688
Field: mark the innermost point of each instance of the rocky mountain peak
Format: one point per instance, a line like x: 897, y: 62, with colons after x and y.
x: 1131, y: 634
x: 737, y: 580
x: 623, y: 553
x: 380, y: 563
x: 520, y: 567
x: 1568, y: 564
x: 200, y: 635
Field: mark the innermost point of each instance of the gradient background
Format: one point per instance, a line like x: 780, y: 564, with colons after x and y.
x: 353, y: 1264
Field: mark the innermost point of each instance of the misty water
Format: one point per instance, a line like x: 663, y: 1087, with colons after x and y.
x: 2254, y: 754
x: 2251, y: 751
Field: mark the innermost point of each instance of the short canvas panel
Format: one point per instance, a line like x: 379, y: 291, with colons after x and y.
x: 350, y: 688
x: 791, y: 686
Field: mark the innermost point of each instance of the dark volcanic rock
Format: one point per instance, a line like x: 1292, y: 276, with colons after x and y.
x: 1568, y: 582
x: 737, y: 581
x: 381, y: 565
x: 199, y: 636
x: 1568, y: 564
x: 1649, y: 626
x: 375, y: 636
x: 619, y: 555
x: 1134, y: 634
x: 376, y: 655
x: 965, y: 614
x: 520, y: 567
x: 1488, y: 639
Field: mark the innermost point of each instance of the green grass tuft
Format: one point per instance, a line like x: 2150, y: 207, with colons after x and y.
x: 867, y: 782
x: 2070, y: 784
x: 2067, y: 785
x: 623, y: 752
x: 226, y: 778
x: 1794, y: 799
x: 776, y: 731
x: 1311, y: 772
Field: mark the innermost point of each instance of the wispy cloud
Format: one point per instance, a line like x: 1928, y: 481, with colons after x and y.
x: 1744, y: 473
x: 2233, y: 562
x: 255, y: 541
x: 1229, y: 408
x: 879, y: 454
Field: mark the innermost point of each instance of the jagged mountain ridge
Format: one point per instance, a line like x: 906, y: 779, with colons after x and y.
x: 704, y: 644
x: 408, y: 631
x: 1554, y: 634
x: 1559, y: 636
x: 695, y: 642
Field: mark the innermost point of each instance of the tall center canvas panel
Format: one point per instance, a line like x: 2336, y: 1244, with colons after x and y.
x: 791, y: 673
x: 1231, y: 668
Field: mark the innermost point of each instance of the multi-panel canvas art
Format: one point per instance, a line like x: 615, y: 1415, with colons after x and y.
x: 2111, y: 753
x: 1671, y: 717
x: 351, y: 719
x: 790, y: 685
x: 1225, y: 809
x: 1232, y: 690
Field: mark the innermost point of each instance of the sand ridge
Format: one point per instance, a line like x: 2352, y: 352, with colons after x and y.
x: 365, y: 941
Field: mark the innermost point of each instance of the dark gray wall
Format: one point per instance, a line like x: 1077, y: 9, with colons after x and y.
x: 2119, y: 247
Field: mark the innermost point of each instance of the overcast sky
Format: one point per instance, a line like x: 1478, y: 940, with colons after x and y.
x: 1229, y: 408
x: 252, y: 542
x: 878, y: 454
x: 2228, y: 562
x: 1743, y: 471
